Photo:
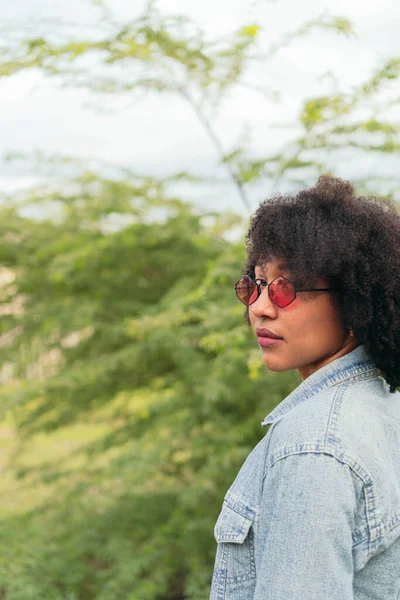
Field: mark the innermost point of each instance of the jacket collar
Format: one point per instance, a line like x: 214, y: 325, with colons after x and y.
x: 351, y: 366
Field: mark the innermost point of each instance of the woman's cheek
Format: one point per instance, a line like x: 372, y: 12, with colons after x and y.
x: 295, y: 305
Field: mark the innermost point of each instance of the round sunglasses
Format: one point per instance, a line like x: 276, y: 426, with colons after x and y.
x: 281, y: 291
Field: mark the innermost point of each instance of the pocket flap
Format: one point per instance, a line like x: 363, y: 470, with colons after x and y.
x: 231, y: 526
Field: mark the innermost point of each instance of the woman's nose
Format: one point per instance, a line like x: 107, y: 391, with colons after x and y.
x: 263, y: 305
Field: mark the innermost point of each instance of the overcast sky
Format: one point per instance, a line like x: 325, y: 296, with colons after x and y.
x: 161, y: 135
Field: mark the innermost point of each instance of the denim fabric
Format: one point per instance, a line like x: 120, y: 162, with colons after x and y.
x: 314, y: 513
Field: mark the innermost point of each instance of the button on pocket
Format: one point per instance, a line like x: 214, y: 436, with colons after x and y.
x: 235, y: 564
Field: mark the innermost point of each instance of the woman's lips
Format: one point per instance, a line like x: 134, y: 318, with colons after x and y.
x: 267, y: 341
x: 265, y: 337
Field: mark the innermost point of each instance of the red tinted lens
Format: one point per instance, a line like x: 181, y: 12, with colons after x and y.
x: 281, y: 292
x: 246, y: 290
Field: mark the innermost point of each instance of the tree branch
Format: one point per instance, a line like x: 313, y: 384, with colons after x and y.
x: 218, y: 146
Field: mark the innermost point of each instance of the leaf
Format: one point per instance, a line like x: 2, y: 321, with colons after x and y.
x: 321, y: 109
x: 343, y: 25
x: 250, y: 31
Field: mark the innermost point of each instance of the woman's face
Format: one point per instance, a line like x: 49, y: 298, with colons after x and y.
x: 310, y: 330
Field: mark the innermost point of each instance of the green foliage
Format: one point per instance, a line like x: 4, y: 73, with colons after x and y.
x: 319, y: 110
x: 135, y: 393
x: 163, y: 43
x: 171, y: 54
x: 249, y: 30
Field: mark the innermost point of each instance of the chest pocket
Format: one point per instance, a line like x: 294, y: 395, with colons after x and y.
x: 235, y: 563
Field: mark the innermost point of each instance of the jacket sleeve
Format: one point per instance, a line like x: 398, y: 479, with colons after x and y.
x: 306, y: 523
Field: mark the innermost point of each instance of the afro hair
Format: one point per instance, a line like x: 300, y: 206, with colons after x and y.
x: 328, y: 231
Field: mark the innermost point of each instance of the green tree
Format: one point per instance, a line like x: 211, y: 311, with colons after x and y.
x: 134, y: 389
x: 169, y: 54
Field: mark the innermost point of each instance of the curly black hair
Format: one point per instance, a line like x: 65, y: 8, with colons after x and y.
x: 328, y: 231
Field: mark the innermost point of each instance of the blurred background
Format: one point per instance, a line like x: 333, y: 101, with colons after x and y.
x: 136, y: 139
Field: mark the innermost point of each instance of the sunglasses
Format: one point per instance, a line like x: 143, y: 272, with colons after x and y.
x: 281, y: 291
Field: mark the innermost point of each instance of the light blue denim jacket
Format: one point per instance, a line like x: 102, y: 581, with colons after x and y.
x: 314, y: 513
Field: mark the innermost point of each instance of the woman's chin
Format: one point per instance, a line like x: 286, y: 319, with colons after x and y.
x: 276, y: 365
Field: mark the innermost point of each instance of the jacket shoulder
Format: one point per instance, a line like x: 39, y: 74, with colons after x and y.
x: 304, y: 428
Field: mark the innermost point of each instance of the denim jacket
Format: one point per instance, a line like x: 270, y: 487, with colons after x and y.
x: 314, y: 513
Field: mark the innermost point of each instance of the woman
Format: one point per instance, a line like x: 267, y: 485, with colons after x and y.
x: 314, y: 513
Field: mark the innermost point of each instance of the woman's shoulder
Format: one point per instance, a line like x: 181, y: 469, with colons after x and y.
x: 344, y: 419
